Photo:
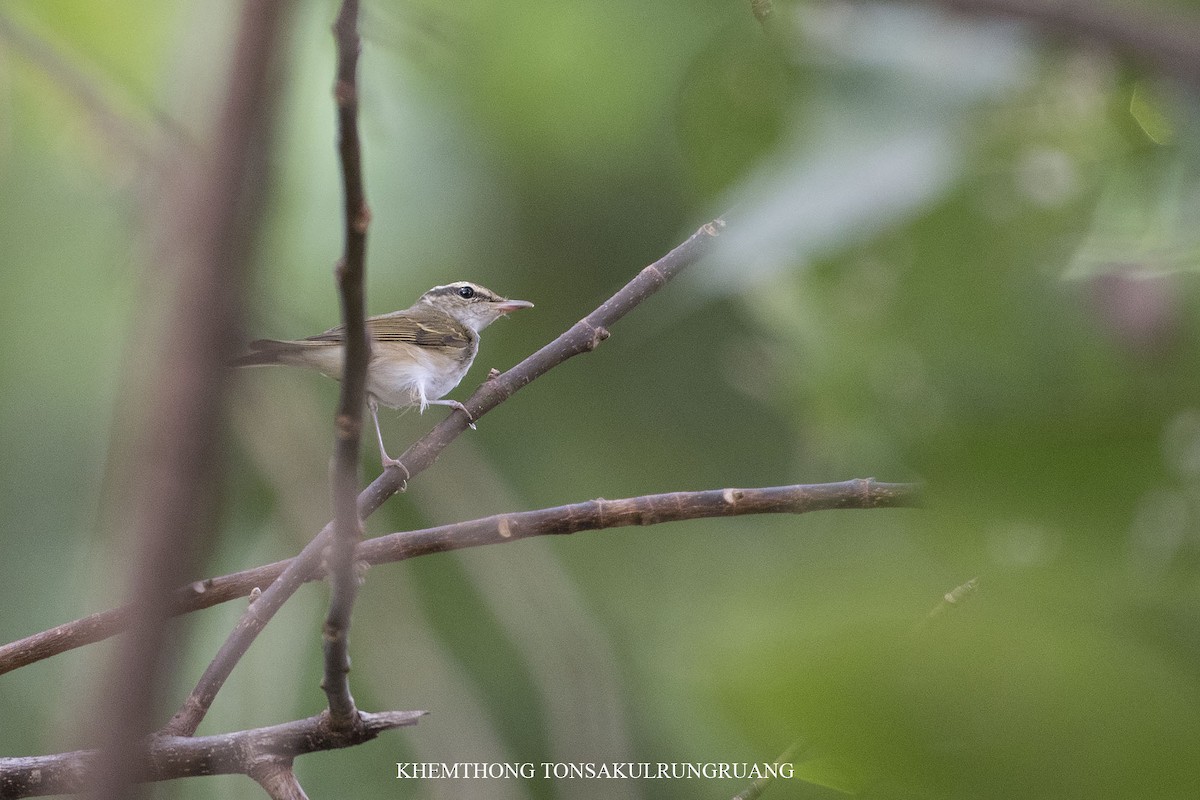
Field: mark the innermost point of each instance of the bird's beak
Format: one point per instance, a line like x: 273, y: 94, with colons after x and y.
x: 505, y: 306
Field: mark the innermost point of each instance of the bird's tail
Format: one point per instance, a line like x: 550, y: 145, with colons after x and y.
x: 262, y: 352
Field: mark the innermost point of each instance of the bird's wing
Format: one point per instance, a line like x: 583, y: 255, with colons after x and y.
x: 402, y: 328
x: 425, y: 331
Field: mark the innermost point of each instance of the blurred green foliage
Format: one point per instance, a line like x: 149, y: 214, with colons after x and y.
x: 956, y: 253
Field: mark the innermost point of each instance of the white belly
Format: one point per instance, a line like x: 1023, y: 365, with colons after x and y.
x: 423, y: 376
x: 400, y: 374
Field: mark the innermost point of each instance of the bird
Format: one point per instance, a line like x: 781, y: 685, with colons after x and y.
x: 418, y: 355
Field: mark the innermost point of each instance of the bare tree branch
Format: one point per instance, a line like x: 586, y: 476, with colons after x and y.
x: 169, y: 757
x: 93, y: 628
x: 343, y: 582
x: 215, y: 206
x: 582, y: 337
x: 651, y: 509
x: 1165, y: 41
x: 278, y: 779
x: 591, y: 515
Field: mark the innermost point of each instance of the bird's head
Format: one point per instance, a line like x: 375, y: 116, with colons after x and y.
x: 471, y: 304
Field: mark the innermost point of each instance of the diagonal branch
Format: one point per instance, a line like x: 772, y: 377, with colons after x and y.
x: 498, y: 529
x: 343, y: 582
x: 582, y: 337
x: 170, y: 757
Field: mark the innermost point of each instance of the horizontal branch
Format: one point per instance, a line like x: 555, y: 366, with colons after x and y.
x: 170, y: 757
x: 653, y: 509
x: 590, y: 515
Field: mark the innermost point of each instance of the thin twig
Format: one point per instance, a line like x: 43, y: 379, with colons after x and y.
x: 582, y: 337
x: 592, y: 515
x: 215, y: 205
x: 170, y: 757
x: 951, y: 599
x: 343, y: 582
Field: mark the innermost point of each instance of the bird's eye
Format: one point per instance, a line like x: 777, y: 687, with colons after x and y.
x: 466, y: 292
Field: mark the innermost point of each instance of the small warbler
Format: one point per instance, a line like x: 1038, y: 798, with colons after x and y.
x: 417, y: 355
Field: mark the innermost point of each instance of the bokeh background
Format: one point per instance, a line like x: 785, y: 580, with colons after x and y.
x: 958, y: 252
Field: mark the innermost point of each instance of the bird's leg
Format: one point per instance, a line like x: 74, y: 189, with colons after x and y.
x: 457, y: 406
x: 384, y: 458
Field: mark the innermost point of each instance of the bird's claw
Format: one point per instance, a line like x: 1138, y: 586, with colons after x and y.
x: 388, y: 461
x: 470, y: 420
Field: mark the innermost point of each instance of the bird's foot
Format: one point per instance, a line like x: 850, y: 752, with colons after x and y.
x: 387, y: 461
x: 457, y: 406
x: 451, y: 404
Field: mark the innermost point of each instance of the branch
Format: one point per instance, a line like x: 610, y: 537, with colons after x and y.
x: 214, y: 207
x: 1168, y: 43
x: 582, y: 337
x: 278, y: 779
x: 170, y: 757
x: 653, y: 509
x: 343, y: 582
x: 591, y: 515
